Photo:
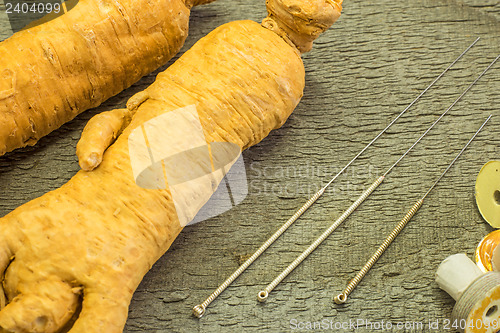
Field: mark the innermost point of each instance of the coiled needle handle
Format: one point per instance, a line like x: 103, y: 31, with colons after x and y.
x: 342, y: 297
x: 262, y: 295
x: 199, y: 310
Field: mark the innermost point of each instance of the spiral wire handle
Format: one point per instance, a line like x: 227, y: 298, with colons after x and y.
x: 342, y: 297
x: 199, y: 310
x: 263, y: 294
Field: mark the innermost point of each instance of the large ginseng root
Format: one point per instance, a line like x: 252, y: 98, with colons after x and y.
x: 89, y: 243
x: 52, y: 72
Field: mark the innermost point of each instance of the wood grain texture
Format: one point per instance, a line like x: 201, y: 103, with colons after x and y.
x: 360, y: 75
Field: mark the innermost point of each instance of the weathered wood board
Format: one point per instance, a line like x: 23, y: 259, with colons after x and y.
x: 360, y: 75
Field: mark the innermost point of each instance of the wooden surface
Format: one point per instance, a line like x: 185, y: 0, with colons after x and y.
x: 360, y: 75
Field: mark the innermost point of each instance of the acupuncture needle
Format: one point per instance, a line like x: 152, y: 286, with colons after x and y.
x: 263, y: 294
x: 199, y: 310
x: 342, y: 297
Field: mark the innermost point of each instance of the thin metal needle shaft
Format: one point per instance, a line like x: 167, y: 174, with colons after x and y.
x: 456, y: 158
x: 199, y: 310
x: 451, y: 106
x: 402, y: 113
x: 263, y: 294
x: 342, y: 297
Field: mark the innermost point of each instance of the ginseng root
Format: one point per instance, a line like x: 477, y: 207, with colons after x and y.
x: 52, y: 72
x: 89, y: 243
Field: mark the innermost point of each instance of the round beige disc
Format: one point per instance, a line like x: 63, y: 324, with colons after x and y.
x: 488, y: 193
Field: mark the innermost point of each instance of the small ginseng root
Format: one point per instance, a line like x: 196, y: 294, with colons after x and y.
x: 50, y: 73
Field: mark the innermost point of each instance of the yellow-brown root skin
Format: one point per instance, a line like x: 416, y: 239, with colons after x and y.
x: 101, y: 231
x: 99, y: 133
x: 52, y: 72
x: 298, y: 22
x: 301, y: 21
